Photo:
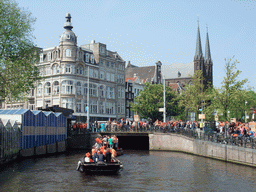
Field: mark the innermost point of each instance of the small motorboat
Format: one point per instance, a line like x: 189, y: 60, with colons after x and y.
x: 100, y: 167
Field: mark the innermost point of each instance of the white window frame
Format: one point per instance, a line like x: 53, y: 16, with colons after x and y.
x: 67, y: 103
x: 56, y: 88
x: 41, y: 57
x: 49, y: 56
x: 68, y: 68
x: 67, y: 87
x: 79, y: 88
x: 47, y: 88
x: 39, y: 89
x: 92, y: 59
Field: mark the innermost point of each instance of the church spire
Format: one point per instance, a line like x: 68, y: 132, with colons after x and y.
x: 198, y: 53
x: 207, y: 48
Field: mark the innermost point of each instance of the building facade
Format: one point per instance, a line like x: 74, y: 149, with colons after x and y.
x: 71, y: 71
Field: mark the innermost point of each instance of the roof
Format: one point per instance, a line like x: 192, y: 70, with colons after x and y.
x: 131, y: 78
x: 144, y: 73
x: 174, y: 86
x: 178, y: 71
x: 13, y: 111
x: 35, y: 112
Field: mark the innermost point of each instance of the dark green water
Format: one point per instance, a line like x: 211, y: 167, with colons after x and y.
x: 143, y: 171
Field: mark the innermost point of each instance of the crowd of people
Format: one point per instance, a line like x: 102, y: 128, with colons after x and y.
x: 235, y: 129
x: 104, y: 150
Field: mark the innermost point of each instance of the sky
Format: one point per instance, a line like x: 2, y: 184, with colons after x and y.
x: 146, y: 31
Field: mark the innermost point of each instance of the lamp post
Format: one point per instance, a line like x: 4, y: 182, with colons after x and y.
x: 245, y: 112
x: 164, y: 101
x: 88, y: 106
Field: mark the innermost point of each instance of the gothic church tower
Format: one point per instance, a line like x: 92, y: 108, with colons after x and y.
x: 201, y: 63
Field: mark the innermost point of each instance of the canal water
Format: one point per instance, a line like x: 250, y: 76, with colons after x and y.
x: 143, y: 171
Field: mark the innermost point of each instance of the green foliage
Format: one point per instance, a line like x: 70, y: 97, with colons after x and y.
x: 194, y: 96
x: 149, y: 101
x: 18, y: 53
x: 230, y: 98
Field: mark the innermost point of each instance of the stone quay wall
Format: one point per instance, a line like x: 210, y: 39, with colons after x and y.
x: 180, y: 143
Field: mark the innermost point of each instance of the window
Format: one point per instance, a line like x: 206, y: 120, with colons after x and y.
x: 110, y: 108
x: 56, y: 88
x: 41, y: 57
x: 68, y: 36
x: 112, y: 65
x: 78, y: 88
x: 101, y: 91
x: 68, y: 53
x: 68, y: 103
x: 55, y: 69
x: 119, y: 92
x: 108, y: 77
x: 107, y: 64
x: 39, y: 89
x: 47, y: 88
x: 91, y: 72
x: 93, y: 106
x: 78, y: 106
x: 101, y: 62
x: 86, y: 71
x: 67, y: 87
x: 118, y: 108
x: 42, y: 71
x: 68, y: 68
x: 96, y: 73
x: 122, y: 108
x: 101, y: 107
x: 85, y: 89
x: 87, y: 58
x: 102, y: 75
x: 123, y: 92
x: 93, y: 90
x: 92, y: 59
x: 110, y: 93
x: 79, y: 70
x: 49, y: 56
x: 112, y: 77
x: 102, y: 49
x: 47, y: 70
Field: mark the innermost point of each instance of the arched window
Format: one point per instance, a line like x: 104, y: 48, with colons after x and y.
x: 39, y: 89
x: 67, y: 87
x: 102, y: 91
x: 78, y: 88
x: 56, y: 88
x: 55, y: 69
x: 68, y: 53
x: 47, y: 88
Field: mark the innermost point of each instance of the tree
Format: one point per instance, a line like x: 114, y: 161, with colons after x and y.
x: 18, y: 54
x: 231, y: 97
x: 149, y: 101
x: 194, y: 96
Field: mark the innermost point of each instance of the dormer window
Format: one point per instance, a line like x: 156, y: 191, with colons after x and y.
x: 179, y: 74
x: 102, y: 49
x: 49, y: 56
x: 41, y: 57
x: 68, y: 36
x: 87, y: 58
x: 92, y: 59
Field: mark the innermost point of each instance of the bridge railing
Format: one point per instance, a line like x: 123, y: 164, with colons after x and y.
x: 242, y: 141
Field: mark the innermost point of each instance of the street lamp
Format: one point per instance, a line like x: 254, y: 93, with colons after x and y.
x: 164, y: 101
x: 88, y: 106
x: 245, y: 112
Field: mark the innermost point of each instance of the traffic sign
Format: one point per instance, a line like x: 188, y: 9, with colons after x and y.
x: 201, y: 116
x: 161, y: 109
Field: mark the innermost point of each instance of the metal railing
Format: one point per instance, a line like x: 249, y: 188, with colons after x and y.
x: 206, y: 135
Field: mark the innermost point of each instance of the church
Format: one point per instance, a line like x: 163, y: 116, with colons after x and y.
x: 179, y: 73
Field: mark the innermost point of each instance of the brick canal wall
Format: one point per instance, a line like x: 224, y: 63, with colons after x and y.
x: 180, y: 143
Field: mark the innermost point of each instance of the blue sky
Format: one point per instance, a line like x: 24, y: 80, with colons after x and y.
x: 145, y: 31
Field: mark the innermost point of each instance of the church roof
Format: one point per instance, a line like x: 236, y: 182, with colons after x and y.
x: 145, y: 73
x: 178, y: 70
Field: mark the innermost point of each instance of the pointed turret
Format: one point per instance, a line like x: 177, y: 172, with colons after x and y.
x: 199, y: 52
x: 207, y: 49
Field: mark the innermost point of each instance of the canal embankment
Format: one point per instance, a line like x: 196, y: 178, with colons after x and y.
x: 180, y: 143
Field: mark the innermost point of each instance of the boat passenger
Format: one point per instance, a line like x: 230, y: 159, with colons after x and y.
x: 95, y: 157
x: 108, y: 156
x: 87, y: 159
x: 101, y: 157
x: 110, y: 141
